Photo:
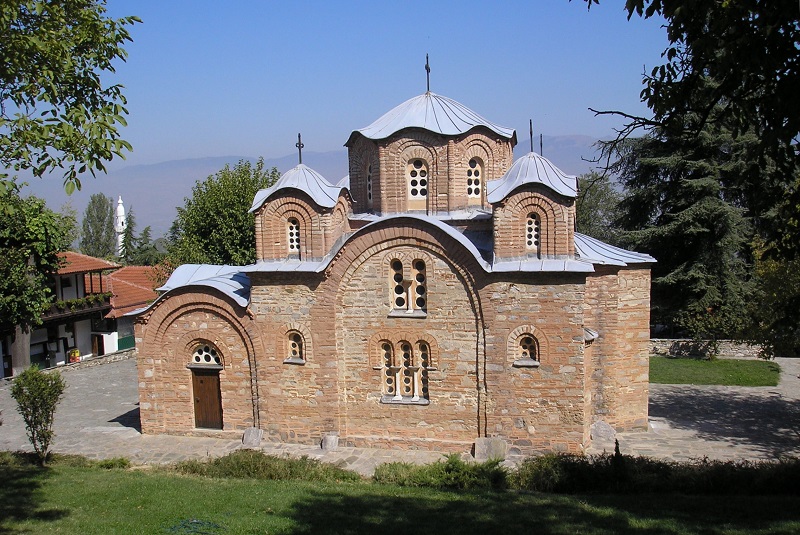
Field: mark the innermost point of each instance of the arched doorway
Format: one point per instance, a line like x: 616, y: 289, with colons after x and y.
x: 205, y: 366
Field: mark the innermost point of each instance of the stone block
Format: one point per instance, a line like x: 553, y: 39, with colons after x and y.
x: 330, y: 442
x: 600, y: 430
x: 485, y: 449
x: 252, y: 437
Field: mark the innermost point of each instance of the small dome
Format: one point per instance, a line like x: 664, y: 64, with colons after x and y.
x: 432, y: 112
x: 531, y: 169
x: 306, y: 180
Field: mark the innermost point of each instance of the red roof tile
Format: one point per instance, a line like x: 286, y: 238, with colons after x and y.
x: 131, y: 288
x: 81, y: 263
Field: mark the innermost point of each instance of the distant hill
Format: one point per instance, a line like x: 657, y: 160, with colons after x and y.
x: 154, y: 191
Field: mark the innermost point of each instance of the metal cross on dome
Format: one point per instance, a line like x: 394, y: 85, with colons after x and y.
x: 428, y: 72
x: 299, y: 146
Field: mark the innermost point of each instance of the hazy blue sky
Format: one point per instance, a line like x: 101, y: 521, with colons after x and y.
x: 239, y: 77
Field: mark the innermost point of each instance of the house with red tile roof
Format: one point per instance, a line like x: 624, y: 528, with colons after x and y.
x: 87, y: 316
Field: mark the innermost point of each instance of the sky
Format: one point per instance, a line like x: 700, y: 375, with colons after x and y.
x: 242, y: 77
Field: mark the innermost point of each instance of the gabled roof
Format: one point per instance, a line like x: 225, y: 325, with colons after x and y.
x: 227, y: 279
x: 81, y: 263
x: 597, y: 252
x: 131, y: 288
x: 432, y: 112
x: 305, y: 179
x: 531, y: 169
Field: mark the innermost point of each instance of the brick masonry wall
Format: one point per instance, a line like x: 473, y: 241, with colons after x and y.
x: 165, y: 345
x: 618, y: 307
x: 556, y: 229
x: 536, y: 409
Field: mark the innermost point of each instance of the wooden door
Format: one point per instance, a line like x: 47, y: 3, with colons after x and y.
x: 207, y: 399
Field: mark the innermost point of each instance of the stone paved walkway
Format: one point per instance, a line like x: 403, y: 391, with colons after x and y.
x: 99, y: 418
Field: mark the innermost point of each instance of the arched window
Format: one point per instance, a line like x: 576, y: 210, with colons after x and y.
x: 475, y: 180
x: 207, y: 354
x: 532, y: 233
x: 293, y: 235
x: 409, y: 296
x: 295, y: 348
x: 417, y: 177
x: 405, y: 372
x: 527, y: 349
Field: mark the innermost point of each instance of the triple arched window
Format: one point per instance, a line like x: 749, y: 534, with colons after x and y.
x: 405, y: 369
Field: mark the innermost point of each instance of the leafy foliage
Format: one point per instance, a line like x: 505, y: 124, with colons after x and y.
x: 99, y: 238
x: 214, y: 226
x: 31, y: 236
x: 37, y: 394
x: 774, y: 305
x: 452, y: 473
x: 55, y: 112
x: 733, y: 64
x: 255, y: 464
x: 597, y: 207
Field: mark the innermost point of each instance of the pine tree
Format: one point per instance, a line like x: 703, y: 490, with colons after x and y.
x: 129, y: 242
x: 685, y: 205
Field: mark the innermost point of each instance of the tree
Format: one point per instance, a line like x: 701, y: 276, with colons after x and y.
x: 31, y: 236
x: 214, y: 225
x: 55, y: 111
x: 98, y: 237
x: 146, y: 253
x: 733, y: 63
x: 129, y: 242
x: 37, y: 394
x: 597, y: 207
x: 682, y: 205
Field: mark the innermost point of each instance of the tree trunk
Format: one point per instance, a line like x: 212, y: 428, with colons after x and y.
x: 21, y: 350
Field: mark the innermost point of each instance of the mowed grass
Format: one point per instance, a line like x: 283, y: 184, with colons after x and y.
x: 90, y: 500
x: 725, y: 372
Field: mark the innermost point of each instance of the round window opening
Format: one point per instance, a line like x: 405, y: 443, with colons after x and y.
x: 206, y: 354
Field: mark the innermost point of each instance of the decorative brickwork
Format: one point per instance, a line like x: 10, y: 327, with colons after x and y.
x: 410, y: 330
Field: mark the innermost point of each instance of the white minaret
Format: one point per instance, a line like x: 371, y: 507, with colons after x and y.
x: 120, y: 225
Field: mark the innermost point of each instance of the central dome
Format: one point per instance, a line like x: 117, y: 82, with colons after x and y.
x: 432, y: 112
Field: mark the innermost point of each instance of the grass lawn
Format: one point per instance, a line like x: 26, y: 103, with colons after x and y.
x: 89, y: 500
x: 724, y: 372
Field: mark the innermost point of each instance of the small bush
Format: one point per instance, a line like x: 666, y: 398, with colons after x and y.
x: 120, y: 463
x: 254, y: 464
x: 452, y: 473
x: 37, y: 394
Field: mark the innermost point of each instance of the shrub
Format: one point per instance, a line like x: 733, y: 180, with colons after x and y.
x: 452, y: 473
x: 254, y: 464
x: 37, y: 394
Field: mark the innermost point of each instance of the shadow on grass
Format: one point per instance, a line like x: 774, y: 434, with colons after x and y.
x: 19, y: 495
x: 759, y: 419
x: 397, y: 512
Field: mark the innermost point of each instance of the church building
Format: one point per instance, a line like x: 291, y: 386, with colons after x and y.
x: 436, y: 296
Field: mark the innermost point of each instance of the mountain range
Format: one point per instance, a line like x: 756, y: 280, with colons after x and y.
x: 154, y: 191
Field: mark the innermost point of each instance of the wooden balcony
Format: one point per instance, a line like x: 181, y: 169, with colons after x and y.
x: 76, y: 308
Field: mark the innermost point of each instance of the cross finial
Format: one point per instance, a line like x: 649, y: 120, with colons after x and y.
x: 428, y: 72
x: 299, y: 146
x: 531, y: 122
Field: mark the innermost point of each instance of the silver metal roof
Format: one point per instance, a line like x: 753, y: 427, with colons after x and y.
x: 531, y: 169
x: 434, y: 113
x: 227, y: 279
x: 304, y: 179
x: 597, y: 252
